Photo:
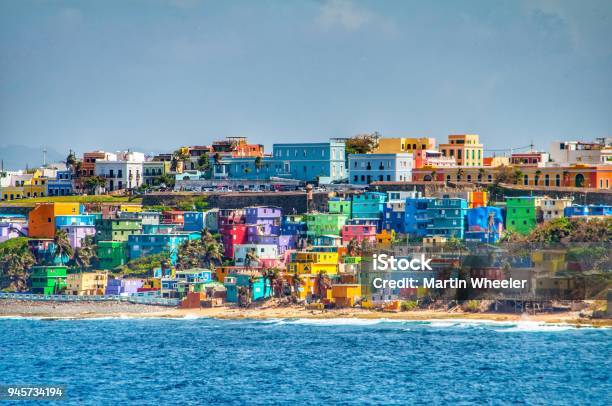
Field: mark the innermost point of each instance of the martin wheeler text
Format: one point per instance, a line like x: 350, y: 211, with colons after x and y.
x: 433, y: 283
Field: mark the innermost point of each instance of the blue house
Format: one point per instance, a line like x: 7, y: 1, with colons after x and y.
x: 368, y: 205
x: 367, y: 168
x: 193, y: 221
x: 140, y: 245
x: 416, y: 218
x: 484, y: 224
x: 591, y: 210
x: 394, y: 217
x: 76, y: 220
x: 61, y: 185
x: 309, y: 161
x: 293, y: 225
x: 255, y: 283
x: 447, y: 217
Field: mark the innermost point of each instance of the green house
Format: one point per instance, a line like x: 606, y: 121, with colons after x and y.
x: 48, y: 280
x: 112, y: 254
x: 117, y: 229
x: 520, y: 214
x: 338, y: 205
x: 319, y: 224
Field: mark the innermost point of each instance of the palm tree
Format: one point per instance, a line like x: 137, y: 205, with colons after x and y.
x: 250, y: 257
x: 433, y: 175
x: 518, y: 175
x: 353, y: 248
x: 273, y: 275
x: 63, y: 249
x: 70, y: 160
x: 213, y: 253
x: 323, y: 282
x: 537, y: 177
x: 481, y: 173
x: 15, y: 265
x: 296, y: 282
x: 460, y: 173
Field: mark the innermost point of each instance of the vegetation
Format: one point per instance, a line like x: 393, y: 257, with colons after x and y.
x: 197, y: 203
x: 15, y: 261
x: 84, y: 257
x: 408, y: 305
x: 143, y: 267
x: 362, y: 143
x: 166, y: 180
x: 206, y: 252
x: 63, y: 249
x: 565, y: 230
x: 73, y: 199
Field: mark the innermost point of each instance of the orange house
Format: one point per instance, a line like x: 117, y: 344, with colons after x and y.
x: 42, y: 218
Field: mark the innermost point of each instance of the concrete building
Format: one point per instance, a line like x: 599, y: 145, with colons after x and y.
x: 367, y: 168
x: 566, y: 153
x: 61, y: 185
x: 86, y: 283
x: 126, y: 172
x: 552, y: 208
x: 521, y: 214
x: 447, y: 217
x: 464, y: 148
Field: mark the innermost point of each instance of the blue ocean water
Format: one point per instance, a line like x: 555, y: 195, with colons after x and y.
x: 342, y: 361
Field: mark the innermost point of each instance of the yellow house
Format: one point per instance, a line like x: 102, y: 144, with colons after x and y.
x: 465, y: 148
x: 152, y: 283
x: 309, y: 262
x: 549, y: 260
x: 385, y: 237
x: 130, y: 208
x: 346, y: 294
x: 87, y: 283
x: 26, y: 186
x: 398, y: 145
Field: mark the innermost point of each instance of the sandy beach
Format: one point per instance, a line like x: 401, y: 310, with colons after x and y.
x: 11, y: 308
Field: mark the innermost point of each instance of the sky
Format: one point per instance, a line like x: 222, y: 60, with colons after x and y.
x: 154, y: 75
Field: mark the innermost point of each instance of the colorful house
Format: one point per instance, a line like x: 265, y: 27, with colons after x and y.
x: 117, y: 229
x: 173, y: 217
x: 61, y: 185
x: 232, y: 235
x: 338, y: 205
x: 394, y: 216
x: 111, y: 254
x: 193, y: 221
x: 368, y: 205
x: 484, y: 224
x: 416, y: 218
x: 141, y: 245
x: 367, y: 168
x: 150, y: 217
x: 266, y: 255
x: 324, y: 161
x: 259, y: 287
x: 360, y: 233
x: 123, y: 286
x: 41, y: 220
x: 346, y: 294
x: 310, y: 262
x: 324, y: 223
x: 87, y: 283
x: 447, y: 217
x: 48, y: 280
x: 77, y: 233
x: 552, y: 208
x: 293, y: 225
x: 588, y: 211
x: 521, y: 214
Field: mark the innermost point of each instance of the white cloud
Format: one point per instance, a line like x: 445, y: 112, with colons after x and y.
x: 349, y: 16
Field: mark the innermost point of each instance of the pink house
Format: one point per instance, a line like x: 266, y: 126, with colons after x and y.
x: 360, y: 233
x: 77, y: 233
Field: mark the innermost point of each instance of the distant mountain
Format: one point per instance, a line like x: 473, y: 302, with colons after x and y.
x: 16, y: 157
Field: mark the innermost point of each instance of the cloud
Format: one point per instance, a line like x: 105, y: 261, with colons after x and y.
x: 347, y: 15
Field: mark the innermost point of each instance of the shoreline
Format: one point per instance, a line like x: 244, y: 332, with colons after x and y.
x: 96, y: 310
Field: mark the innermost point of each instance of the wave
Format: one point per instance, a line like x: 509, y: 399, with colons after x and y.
x: 538, y: 327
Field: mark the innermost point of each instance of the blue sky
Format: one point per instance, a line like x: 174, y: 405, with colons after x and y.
x: 156, y: 74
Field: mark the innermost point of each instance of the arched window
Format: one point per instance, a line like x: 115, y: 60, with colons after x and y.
x: 469, y: 178
x: 526, y: 180
x: 557, y: 180
x: 547, y: 180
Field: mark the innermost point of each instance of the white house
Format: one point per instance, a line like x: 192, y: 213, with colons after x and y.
x: 125, y: 172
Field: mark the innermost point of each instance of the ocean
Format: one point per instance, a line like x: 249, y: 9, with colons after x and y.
x: 334, y: 361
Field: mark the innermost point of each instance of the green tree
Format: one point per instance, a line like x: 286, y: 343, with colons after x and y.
x: 63, y: 249
x: 15, y: 261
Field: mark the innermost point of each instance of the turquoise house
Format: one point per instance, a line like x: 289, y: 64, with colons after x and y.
x: 368, y: 205
x: 447, y: 217
x: 140, y: 245
x: 234, y: 281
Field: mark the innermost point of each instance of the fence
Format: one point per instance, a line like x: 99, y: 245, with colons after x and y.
x: 159, y: 301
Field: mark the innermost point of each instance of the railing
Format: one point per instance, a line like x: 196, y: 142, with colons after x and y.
x: 92, y: 298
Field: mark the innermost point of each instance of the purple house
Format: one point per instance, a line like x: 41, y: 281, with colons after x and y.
x: 12, y: 229
x: 283, y: 242
x: 77, y: 233
x: 268, y: 218
x: 123, y: 286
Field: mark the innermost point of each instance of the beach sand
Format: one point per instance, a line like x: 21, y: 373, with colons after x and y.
x: 13, y: 308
